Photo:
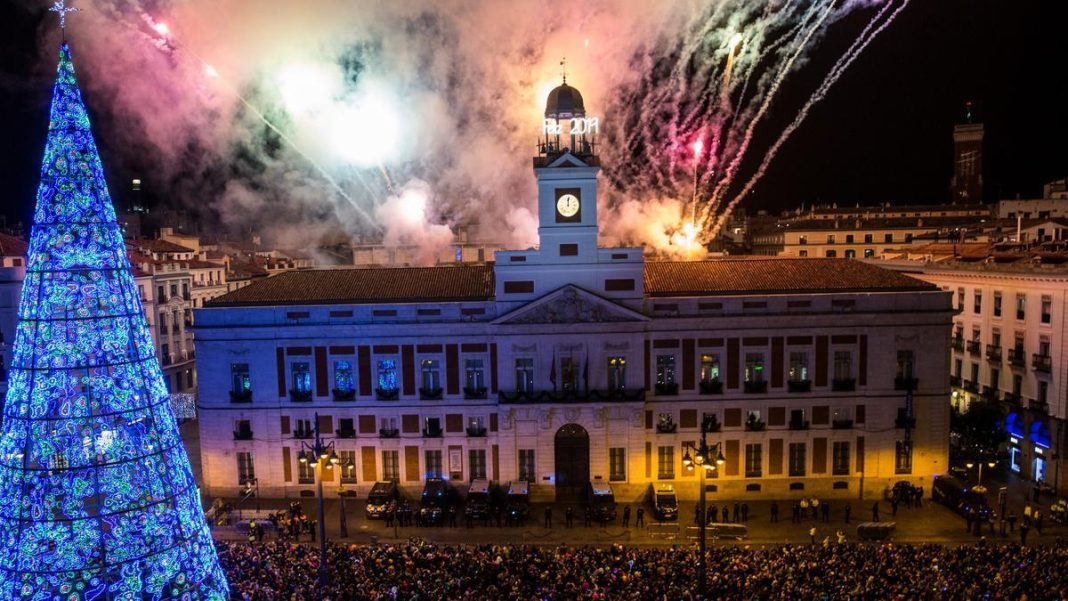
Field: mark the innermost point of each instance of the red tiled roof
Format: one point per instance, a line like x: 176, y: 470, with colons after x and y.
x: 158, y: 246
x: 772, y: 275
x: 11, y: 246
x: 384, y: 284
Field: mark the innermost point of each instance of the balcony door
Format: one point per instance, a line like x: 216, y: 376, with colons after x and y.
x: 572, y: 462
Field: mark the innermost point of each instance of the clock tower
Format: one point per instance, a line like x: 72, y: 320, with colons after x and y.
x: 566, y: 169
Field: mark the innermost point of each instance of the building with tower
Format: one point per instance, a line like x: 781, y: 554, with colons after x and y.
x: 571, y: 362
x: 967, y: 184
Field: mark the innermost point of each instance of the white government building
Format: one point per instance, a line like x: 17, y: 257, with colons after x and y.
x: 572, y: 362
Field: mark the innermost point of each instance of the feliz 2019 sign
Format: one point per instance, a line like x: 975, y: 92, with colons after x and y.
x: 576, y: 125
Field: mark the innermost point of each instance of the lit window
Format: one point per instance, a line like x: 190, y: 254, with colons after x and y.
x: 709, y: 368
x: 387, y: 374
x: 665, y: 370
x: 343, y: 380
x: 617, y: 373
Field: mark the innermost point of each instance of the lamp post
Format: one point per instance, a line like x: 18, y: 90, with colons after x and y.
x: 324, y: 456
x: 703, y: 459
x: 979, y: 485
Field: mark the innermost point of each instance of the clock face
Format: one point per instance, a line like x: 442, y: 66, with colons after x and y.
x: 567, y: 205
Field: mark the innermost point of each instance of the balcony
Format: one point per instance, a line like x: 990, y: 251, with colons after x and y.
x: 301, y: 434
x: 957, y: 343
x: 710, y: 424
x: 667, y: 428
x: 990, y: 393
x: 993, y: 353
x: 479, y: 432
x: 165, y: 359
x: 667, y: 389
x: 300, y: 396
x: 432, y: 432
x: 524, y: 397
x: 974, y: 347
x: 798, y: 424
x: 905, y: 422
x: 242, y: 434
x: 1042, y: 363
x: 799, y: 385
x: 1012, y: 398
x: 346, y: 433
x: 955, y: 381
x: 1017, y: 357
x: 903, y: 383
x: 474, y: 393
x: 344, y: 395
x: 241, y: 396
x: 754, y: 425
x: 387, y: 394
x: 972, y: 387
x: 756, y: 386
x: 843, y: 384
x: 431, y: 394
x: 388, y: 433
x: 841, y: 424
x: 1039, y: 406
x: 711, y: 387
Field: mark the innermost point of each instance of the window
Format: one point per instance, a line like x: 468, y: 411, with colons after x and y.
x: 995, y: 377
x: 1021, y: 306
x: 753, y: 460
x: 840, y: 458
x: 569, y: 373
x: 888, y: 238
x: 958, y: 367
x: 617, y: 464
x: 843, y: 365
x: 975, y: 373
x: 802, y: 240
x: 526, y: 465
x: 343, y: 381
x: 1047, y: 308
x: 997, y: 303
x: 524, y: 374
x: 709, y: 368
x: 301, y: 373
x: 240, y: 383
x: 850, y: 254
x: 474, y: 374
x: 977, y: 306
x: 162, y: 323
x: 387, y: 374
x: 1043, y: 346
x: 903, y: 458
x: 797, y: 459
x: 754, y: 367
x: 831, y: 254
x: 802, y: 253
x: 869, y: 253
x: 476, y: 463
x: 960, y: 299
x: 391, y: 465
x: 430, y: 370
x: 868, y: 238
x: 665, y: 463
x: 347, y: 465
x: 617, y: 373
x: 433, y: 463
x: 305, y: 472
x: 830, y: 238
x: 188, y: 376
x: 798, y: 366
x: 246, y: 471
x: 1043, y: 392
x: 906, y: 365
x: 665, y: 370
x: 1017, y: 385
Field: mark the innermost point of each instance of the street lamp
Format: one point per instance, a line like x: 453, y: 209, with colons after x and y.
x: 324, y: 456
x: 703, y: 459
x: 979, y: 488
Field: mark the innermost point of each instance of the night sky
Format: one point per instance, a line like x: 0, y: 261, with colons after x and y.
x: 882, y: 135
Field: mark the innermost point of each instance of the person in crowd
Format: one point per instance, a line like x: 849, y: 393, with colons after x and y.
x: 774, y: 512
x: 640, y: 522
x: 626, y: 516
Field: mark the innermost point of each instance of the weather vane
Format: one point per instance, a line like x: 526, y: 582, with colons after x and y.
x: 62, y: 9
x: 563, y: 68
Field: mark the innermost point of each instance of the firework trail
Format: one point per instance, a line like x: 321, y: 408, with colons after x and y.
x: 870, y: 33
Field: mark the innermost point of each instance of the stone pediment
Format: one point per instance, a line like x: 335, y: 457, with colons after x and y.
x: 570, y: 304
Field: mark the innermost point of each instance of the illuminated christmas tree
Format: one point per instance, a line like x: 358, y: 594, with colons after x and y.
x: 97, y: 499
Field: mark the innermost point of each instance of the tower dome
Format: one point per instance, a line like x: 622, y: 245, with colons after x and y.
x: 564, y: 102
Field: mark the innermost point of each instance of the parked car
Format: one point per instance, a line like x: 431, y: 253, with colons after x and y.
x: 518, y: 500
x: 478, y: 500
x: 956, y: 495
x: 665, y: 503
x: 436, y: 497
x: 602, y: 501
x: 381, y: 500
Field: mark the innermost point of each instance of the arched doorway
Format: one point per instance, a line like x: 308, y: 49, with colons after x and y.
x: 572, y: 462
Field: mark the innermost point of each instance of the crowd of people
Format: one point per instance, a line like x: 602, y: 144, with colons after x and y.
x: 419, y: 571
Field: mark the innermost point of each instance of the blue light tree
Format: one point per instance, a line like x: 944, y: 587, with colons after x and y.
x: 97, y: 499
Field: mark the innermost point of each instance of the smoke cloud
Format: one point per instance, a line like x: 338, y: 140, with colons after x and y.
x: 398, y: 121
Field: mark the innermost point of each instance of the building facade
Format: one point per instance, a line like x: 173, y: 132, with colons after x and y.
x: 573, y: 363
